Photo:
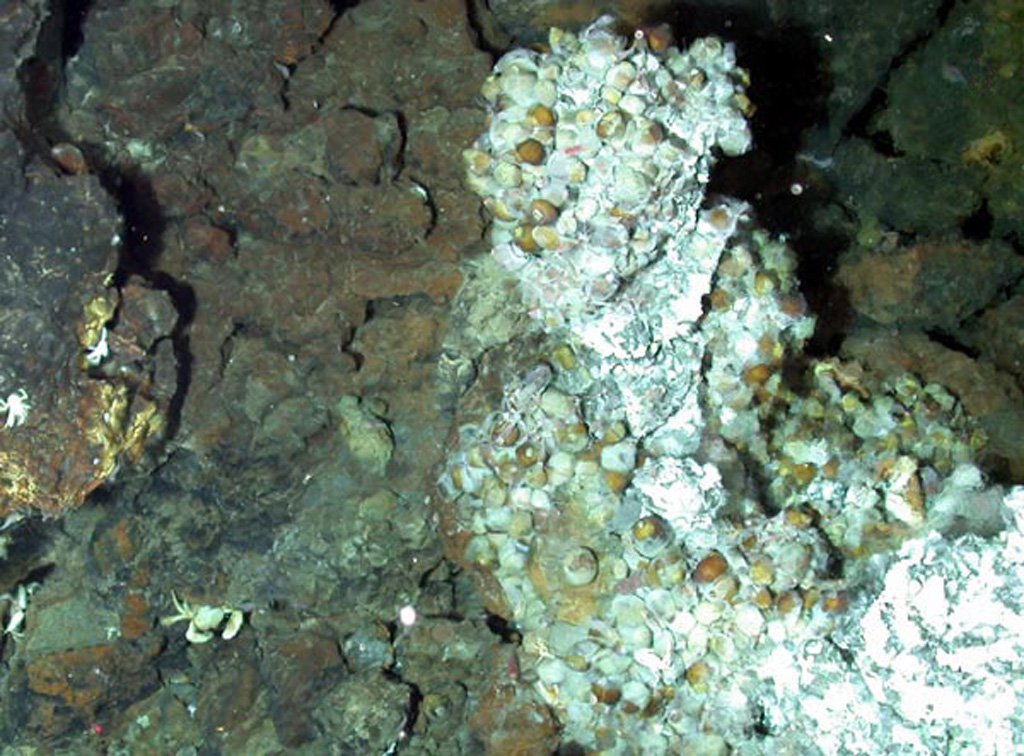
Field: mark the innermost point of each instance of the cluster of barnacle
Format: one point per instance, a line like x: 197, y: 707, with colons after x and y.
x: 862, y: 454
x: 637, y: 622
x: 756, y: 321
x: 870, y: 456
x: 596, y: 155
x: 658, y: 600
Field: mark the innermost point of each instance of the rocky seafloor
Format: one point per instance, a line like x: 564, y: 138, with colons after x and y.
x: 396, y: 377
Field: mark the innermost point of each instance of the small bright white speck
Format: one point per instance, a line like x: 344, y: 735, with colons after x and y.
x: 407, y: 615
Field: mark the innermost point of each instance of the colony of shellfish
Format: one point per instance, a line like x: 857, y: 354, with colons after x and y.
x: 666, y: 515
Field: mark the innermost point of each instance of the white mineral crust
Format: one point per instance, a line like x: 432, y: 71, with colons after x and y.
x: 934, y: 663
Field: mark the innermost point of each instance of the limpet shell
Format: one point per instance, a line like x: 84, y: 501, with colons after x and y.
x: 546, y: 237
x: 580, y: 566
x: 518, y: 84
x: 477, y: 161
x: 611, y: 95
x: 524, y: 239
x: 647, y: 137
x: 621, y: 75
x: 698, y: 675
x: 499, y: 209
x: 611, y: 125
x: 527, y: 454
x: 614, y: 433
x: 615, y: 481
x: 530, y: 151
x: 468, y: 479
x: 542, y: 212
x: 762, y: 571
x: 564, y: 356
x: 541, y: 115
x: 835, y: 602
x: 723, y: 589
x: 571, y: 437
x: 607, y: 692
x: 658, y: 38
x: 710, y: 568
x: 651, y: 536
x: 508, y: 175
x: 504, y: 432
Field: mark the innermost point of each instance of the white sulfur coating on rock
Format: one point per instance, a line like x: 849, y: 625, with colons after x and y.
x: 934, y: 662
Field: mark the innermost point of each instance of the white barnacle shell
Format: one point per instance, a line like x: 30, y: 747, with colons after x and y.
x: 555, y: 403
x: 563, y: 167
x: 518, y: 83
x: 545, y: 92
x: 567, y: 135
x: 621, y: 75
x: 586, y: 208
x: 608, y: 232
x: 556, y: 192
x: 512, y: 556
x: 601, y: 46
x: 560, y: 467
x: 631, y: 186
x: 636, y: 636
x: 509, y: 129
x: 551, y: 671
x: 651, y: 535
x: 636, y: 694
x: 620, y: 457
x: 507, y: 174
x: 633, y: 104
x: 749, y: 620
x: 628, y: 611
x: 562, y: 42
x: 792, y: 560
